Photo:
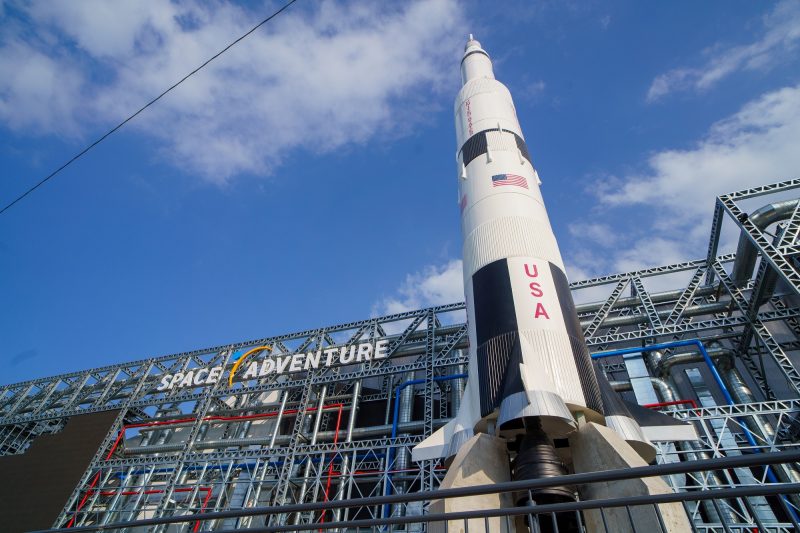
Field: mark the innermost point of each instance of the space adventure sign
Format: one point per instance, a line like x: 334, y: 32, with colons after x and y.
x: 247, y: 366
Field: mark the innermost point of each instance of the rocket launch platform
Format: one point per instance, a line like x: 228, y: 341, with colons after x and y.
x: 665, y: 399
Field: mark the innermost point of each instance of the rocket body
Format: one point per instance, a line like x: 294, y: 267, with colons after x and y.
x: 528, y: 361
x: 530, y: 355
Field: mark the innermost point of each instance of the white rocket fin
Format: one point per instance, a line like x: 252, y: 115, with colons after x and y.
x: 436, y: 445
x: 523, y: 374
x: 446, y: 441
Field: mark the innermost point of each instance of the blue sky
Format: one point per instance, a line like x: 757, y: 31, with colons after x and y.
x: 307, y: 177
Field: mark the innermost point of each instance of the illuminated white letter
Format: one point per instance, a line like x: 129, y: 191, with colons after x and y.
x: 252, y: 371
x: 283, y: 362
x: 312, y: 359
x: 214, y: 374
x: 297, y: 362
x: 200, y: 376
x: 382, y: 349
x: 329, y: 353
x: 165, y: 382
x: 187, y: 380
x: 346, y: 357
x: 267, y: 367
x: 176, y: 378
x: 364, y: 351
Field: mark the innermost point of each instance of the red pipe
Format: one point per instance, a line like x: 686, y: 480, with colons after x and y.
x: 207, y: 490
x: 211, y: 418
x: 203, y: 508
x: 667, y: 404
x: 122, y: 430
x: 89, y: 492
x: 330, y: 468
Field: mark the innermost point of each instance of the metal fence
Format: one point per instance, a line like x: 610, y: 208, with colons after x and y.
x: 610, y: 515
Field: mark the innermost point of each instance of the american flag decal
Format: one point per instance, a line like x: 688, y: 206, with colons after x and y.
x: 498, y: 180
x: 463, y: 204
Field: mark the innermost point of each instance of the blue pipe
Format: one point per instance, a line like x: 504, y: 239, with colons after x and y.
x: 676, y: 344
x: 395, y: 420
x: 715, y: 373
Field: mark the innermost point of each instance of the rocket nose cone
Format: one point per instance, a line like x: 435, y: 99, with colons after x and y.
x: 472, y: 44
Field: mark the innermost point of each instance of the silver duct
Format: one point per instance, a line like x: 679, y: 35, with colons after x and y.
x: 663, y: 389
x: 405, y: 413
x: 345, y: 480
x: 746, y: 253
x: 315, y: 432
x: 630, y: 320
x: 322, y: 436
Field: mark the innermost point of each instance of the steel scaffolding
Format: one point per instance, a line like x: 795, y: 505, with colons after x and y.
x: 344, y: 431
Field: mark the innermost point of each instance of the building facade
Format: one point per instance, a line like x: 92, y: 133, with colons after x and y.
x: 332, y: 413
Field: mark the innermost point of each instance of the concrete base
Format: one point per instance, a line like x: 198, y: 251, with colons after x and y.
x: 596, y: 447
x: 482, y: 460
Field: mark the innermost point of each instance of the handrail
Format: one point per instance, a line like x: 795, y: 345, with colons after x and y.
x: 741, y: 461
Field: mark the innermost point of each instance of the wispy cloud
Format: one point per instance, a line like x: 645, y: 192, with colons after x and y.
x: 332, y: 75
x: 675, y: 192
x: 596, y: 232
x: 662, y: 214
x: 433, y: 285
x: 776, y: 42
x: 22, y: 357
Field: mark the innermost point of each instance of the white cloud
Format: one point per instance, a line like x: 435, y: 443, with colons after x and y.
x: 434, y: 285
x: 777, y: 41
x: 676, y: 192
x: 317, y: 79
x: 595, y: 232
x: 758, y: 144
x: 649, y: 252
x: 533, y: 90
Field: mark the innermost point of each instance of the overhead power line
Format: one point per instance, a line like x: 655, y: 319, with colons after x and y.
x: 148, y: 104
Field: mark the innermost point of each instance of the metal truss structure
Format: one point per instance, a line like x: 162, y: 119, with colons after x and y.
x: 345, y: 431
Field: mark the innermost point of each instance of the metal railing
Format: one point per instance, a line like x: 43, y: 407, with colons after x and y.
x: 539, y: 517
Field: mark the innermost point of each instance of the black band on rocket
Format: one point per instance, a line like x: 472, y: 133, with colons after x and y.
x: 473, y: 52
x: 499, y: 351
x: 497, y: 334
x: 583, y: 361
x: 476, y: 146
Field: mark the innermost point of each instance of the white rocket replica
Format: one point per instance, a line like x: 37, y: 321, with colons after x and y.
x: 530, y: 372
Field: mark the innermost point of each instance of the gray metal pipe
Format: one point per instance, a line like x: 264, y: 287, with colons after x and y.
x: 746, y: 253
x: 261, y: 476
x: 405, y: 412
x: 345, y: 479
x: 667, y: 393
x: 633, y: 301
x: 404, y: 415
x: 322, y: 436
x: 457, y: 390
x: 315, y: 432
x: 630, y: 320
x: 663, y: 388
x: 661, y: 364
x: 760, y: 426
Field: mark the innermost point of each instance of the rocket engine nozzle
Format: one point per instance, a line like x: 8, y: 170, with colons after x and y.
x: 537, y: 458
